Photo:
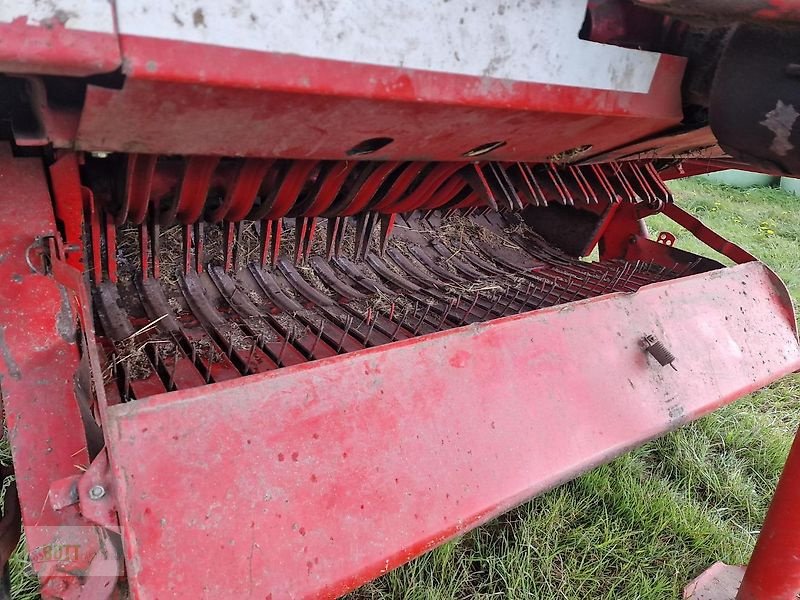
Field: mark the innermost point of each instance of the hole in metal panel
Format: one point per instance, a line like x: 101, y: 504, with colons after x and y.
x: 369, y: 146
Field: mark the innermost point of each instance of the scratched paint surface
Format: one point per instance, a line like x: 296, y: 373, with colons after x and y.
x: 314, y: 479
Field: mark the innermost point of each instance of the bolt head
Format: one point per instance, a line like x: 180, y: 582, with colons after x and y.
x: 96, y: 492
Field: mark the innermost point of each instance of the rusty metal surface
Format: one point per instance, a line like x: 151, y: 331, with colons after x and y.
x: 319, y: 477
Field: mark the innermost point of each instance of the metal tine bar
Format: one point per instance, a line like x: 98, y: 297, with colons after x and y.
x: 470, y: 309
x: 199, y: 247
x: 300, y: 224
x: 551, y: 172
x: 574, y: 171
x: 110, y: 233
x: 637, y: 175
x: 400, y: 324
x: 172, y: 387
x: 604, y: 182
x: 144, y: 251
x: 286, y: 341
x: 582, y: 175
x: 387, y: 224
x: 369, y: 331
x: 303, y: 230
x: 525, y: 182
x: 444, y: 315
x: 264, y: 233
x: 154, y: 234
x: 229, y: 236
x: 624, y: 181
x: 348, y: 324
x: 311, y: 231
x: 532, y: 178
x: 331, y: 228
x: 651, y: 169
x: 508, y: 304
x: 567, y: 191
x: 250, y: 354
x: 276, y: 234
x: 505, y: 187
x: 187, y: 248
x: 248, y: 311
x: 422, y: 318
x: 320, y: 331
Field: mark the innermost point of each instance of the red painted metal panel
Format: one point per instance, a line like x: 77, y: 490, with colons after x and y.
x: 200, y: 99
x: 308, y: 481
x: 56, y: 50
x: 38, y: 366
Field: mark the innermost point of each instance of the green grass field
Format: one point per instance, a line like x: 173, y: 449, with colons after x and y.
x: 644, y: 525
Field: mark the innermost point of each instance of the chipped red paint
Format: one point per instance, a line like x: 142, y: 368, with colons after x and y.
x: 56, y: 50
x: 38, y: 366
x: 313, y: 479
x: 224, y: 101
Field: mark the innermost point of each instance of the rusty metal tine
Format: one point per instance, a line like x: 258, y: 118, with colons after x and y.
x: 444, y: 314
x: 387, y: 224
x: 126, y: 383
x: 199, y: 246
x: 287, y: 337
x: 469, y: 310
x: 369, y: 331
x: 494, y: 304
x: 172, y: 386
x: 277, y: 233
x: 187, y: 248
x: 509, y: 303
x: 340, y: 232
x: 247, y: 366
x: 330, y: 236
x: 358, y: 241
x: 458, y: 301
x: 309, y: 240
x: 300, y: 224
x: 422, y: 318
x: 316, y: 340
x: 154, y: 232
x: 229, y: 244
x: 346, y: 330
x: 400, y: 324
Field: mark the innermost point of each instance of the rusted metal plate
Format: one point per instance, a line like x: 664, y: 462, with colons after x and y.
x: 308, y: 481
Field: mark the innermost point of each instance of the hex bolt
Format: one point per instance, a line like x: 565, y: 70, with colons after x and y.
x: 96, y: 492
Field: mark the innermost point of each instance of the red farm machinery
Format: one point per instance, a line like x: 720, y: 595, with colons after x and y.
x: 294, y: 292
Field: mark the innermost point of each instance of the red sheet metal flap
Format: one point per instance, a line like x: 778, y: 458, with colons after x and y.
x: 307, y: 481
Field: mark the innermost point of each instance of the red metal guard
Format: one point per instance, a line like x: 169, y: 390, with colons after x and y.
x: 316, y: 478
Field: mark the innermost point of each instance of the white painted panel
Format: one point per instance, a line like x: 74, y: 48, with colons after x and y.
x: 85, y: 15
x: 522, y: 40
